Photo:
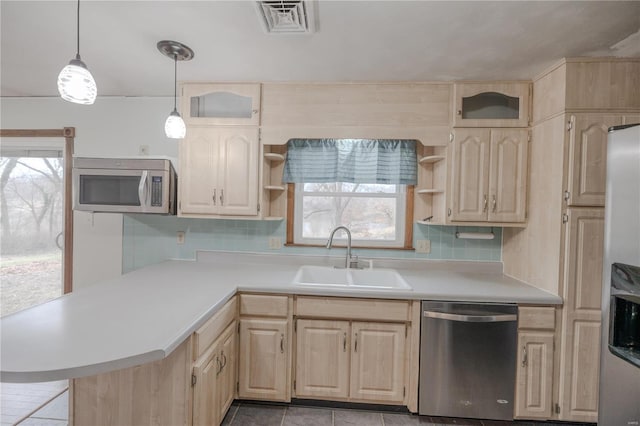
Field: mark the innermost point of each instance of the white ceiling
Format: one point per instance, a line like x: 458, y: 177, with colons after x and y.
x: 355, y: 41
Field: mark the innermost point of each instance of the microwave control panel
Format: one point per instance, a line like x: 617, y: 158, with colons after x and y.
x: 156, y: 191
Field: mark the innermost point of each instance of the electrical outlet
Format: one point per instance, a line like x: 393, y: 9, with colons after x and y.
x: 423, y: 246
x: 180, y: 237
x: 275, y: 243
x: 143, y: 150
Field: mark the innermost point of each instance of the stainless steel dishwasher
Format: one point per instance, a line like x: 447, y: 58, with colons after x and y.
x: 468, y: 360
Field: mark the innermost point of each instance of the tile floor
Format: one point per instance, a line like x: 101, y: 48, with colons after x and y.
x: 252, y: 414
x: 34, y: 404
x: 19, y: 409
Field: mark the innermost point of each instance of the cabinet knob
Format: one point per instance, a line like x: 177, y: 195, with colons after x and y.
x: 459, y: 112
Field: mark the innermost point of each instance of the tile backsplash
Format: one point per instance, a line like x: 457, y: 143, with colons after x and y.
x: 150, y: 239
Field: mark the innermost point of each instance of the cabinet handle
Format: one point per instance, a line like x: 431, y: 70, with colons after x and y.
x: 524, y: 356
x: 484, y: 204
x: 282, y: 343
x: 493, y: 204
x: 355, y: 349
x: 219, y: 369
x: 224, y: 360
x: 222, y: 197
x: 214, y: 196
x: 344, y: 342
x: 459, y: 112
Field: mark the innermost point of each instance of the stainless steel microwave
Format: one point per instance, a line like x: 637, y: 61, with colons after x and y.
x: 140, y: 185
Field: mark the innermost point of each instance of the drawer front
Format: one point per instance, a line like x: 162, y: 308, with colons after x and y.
x: 264, y: 305
x: 357, y: 309
x: 205, y: 335
x: 536, y: 318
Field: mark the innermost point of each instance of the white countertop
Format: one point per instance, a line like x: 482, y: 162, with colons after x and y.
x: 144, y: 315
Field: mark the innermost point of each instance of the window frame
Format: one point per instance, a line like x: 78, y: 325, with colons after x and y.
x: 406, y: 242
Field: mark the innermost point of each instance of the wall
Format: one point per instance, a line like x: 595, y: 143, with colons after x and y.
x: 118, y: 126
x: 114, y: 126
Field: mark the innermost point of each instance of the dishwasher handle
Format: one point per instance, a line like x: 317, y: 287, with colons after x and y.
x: 471, y: 318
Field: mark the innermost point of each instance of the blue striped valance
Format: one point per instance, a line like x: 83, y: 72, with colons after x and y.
x: 386, y: 161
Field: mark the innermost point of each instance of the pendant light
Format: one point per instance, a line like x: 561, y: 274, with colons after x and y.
x: 174, y: 127
x: 75, y: 82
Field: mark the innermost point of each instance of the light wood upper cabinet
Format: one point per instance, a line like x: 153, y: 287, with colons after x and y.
x: 322, y: 353
x: 491, y: 104
x: 508, y: 175
x: 262, y: 370
x: 581, y: 315
x: 219, y: 171
x: 488, y: 175
x: 534, y: 375
x: 588, y: 156
x: 221, y: 104
x: 378, y: 362
x: 470, y: 175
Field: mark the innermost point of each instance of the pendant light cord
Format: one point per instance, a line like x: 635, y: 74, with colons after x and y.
x: 175, y: 80
x: 78, y: 31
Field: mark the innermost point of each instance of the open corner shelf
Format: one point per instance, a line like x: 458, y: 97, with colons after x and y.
x: 431, y: 159
x: 430, y: 191
x: 274, y: 188
x: 272, y: 156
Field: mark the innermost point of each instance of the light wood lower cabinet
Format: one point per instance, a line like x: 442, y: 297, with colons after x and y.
x: 534, y: 374
x: 214, y: 378
x: 263, y: 359
x: 322, y: 359
x: 355, y: 361
x: 377, y: 362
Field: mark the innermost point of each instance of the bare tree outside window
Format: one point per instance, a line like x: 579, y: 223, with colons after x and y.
x: 372, y: 212
x: 31, y: 209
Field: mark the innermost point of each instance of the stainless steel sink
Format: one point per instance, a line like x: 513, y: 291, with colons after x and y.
x: 326, y: 276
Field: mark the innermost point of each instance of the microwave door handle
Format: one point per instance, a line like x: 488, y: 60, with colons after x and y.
x: 141, y: 189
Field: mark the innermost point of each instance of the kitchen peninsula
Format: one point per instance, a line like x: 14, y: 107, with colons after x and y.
x: 150, y: 315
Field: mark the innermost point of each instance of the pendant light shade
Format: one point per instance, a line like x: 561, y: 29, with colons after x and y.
x: 75, y: 82
x: 174, y: 127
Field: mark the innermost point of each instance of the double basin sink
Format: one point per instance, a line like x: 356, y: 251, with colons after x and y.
x: 326, y: 276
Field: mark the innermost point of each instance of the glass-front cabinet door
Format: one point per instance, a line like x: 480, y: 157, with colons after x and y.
x: 491, y: 104
x: 221, y: 103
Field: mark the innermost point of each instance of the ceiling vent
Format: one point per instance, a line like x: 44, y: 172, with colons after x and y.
x: 286, y: 16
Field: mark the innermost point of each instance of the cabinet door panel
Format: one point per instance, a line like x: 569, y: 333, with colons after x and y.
x: 534, y: 375
x: 198, y: 178
x: 508, y: 181
x: 470, y: 175
x: 377, y: 361
x: 263, y: 359
x: 588, y: 157
x: 322, y: 351
x: 228, y: 372
x: 205, y: 390
x: 580, y: 331
x: 239, y: 171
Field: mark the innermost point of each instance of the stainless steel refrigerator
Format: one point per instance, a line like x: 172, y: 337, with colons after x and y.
x: 619, y: 403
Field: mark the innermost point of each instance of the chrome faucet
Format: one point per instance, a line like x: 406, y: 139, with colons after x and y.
x: 347, y: 260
